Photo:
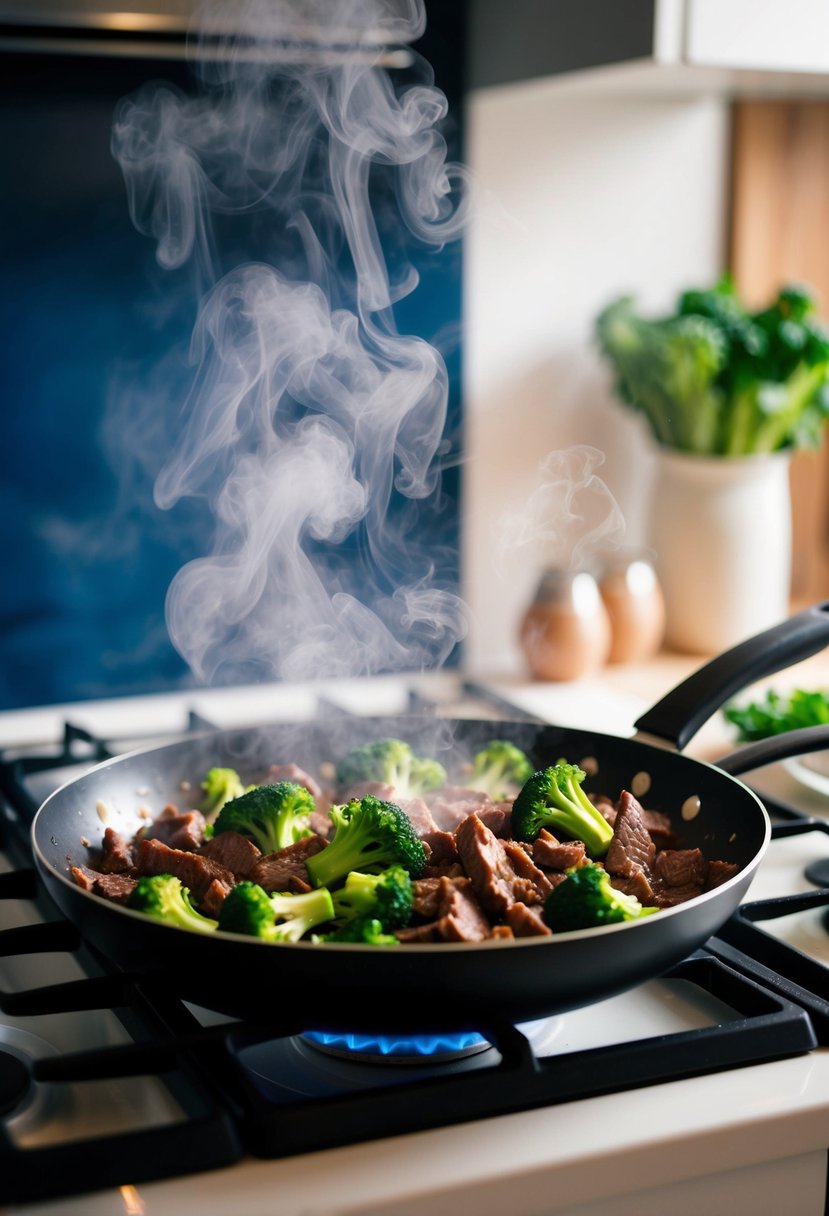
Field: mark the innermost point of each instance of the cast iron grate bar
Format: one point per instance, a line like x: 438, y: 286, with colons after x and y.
x: 781, y: 965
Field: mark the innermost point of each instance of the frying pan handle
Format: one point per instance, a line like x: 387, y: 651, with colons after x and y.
x: 777, y: 747
x: 679, y: 715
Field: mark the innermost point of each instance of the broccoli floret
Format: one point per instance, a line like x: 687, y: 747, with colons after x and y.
x: 273, y: 815
x: 586, y: 899
x: 220, y: 785
x: 553, y: 798
x: 369, y: 835
x: 163, y: 897
x: 499, y: 766
x: 386, y: 897
x: 390, y: 762
x: 363, y: 930
x: 250, y: 910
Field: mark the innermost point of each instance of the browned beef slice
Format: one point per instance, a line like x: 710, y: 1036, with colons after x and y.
x: 636, y: 884
x: 417, y: 934
x: 116, y: 855
x: 667, y: 897
x: 552, y: 854
x: 518, y: 856
x: 498, y: 878
x: 462, y: 918
x: 196, y: 872
x: 178, y: 829
x: 458, y: 915
x: 453, y: 870
x: 114, y: 887
x: 426, y: 897
x: 233, y: 851
x: 320, y: 823
x: 418, y: 814
x: 526, y: 922
x: 442, y: 848
x: 498, y: 819
x: 680, y: 867
x: 631, y: 848
x: 720, y: 872
x: 277, y: 871
x: 292, y: 772
x: 451, y: 804
x: 213, y: 898
x: 659, y: 828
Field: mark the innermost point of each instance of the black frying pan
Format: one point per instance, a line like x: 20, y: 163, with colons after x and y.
x: 430, y: 987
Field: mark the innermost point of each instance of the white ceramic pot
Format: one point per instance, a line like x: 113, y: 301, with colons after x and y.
x: 721, y: 530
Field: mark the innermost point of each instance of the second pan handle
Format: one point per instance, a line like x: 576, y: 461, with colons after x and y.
x: 680, y: 714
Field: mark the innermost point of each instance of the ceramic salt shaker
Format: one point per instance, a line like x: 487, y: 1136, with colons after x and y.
x: 565, y: 632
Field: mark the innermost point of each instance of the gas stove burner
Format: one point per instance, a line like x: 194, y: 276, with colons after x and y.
x: 15, y: 1080
x: 397, y: 1049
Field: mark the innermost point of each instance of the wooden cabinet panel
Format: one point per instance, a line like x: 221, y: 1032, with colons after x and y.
x: 779, y: 232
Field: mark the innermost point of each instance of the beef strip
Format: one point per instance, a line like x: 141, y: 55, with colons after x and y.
x: 498, y: 818
x: 292, y: 772
x: 285, y: 870
x: 631, y: 848
x: 441, y: 846
x: 117, y: 854
x: 680, y: 868
x: 451, y: 804
x: 460, y: 918
x: 500, y: 872
x: 195, y: 872
x: 720, y: 872
x: 233, y: 851
x: 418, y: 814
x: 178, y: 829
x: 114, y: 887
x: 553, y: 854
x: 525, y: 922
x: 667, y: 897
x: 637, y: 884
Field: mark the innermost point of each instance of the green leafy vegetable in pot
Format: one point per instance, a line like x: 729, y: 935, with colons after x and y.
x: 553, y: 798
x: 390, y: 762
x: 279, y: 917
x: 273, y: 815
x: 499, y: 768
x: 586, y: 900
x: 775, y: 714
x: 164, y: 898
x: 716, y: 379
x: 369, y: 835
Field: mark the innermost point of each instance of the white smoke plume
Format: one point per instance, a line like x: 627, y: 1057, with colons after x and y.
x: 312, y: 426
x: 570, y: 518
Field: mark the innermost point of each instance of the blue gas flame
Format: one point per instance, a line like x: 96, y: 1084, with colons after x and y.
x: 385, y: 1045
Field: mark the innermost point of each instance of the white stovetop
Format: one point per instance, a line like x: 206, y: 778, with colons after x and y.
x: 749, y: 1140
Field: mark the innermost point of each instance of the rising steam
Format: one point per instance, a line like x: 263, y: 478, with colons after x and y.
x: 570, y: 517
x: 312, y: 427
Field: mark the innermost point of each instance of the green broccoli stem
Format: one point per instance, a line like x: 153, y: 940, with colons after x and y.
x: 775, y: 429
x: 349, y: 851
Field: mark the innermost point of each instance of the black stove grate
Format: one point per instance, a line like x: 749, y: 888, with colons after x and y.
x: 227, y: 1112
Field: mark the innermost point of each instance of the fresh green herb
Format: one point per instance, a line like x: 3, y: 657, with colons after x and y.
x: 716, y: 379
x: 775, y: 714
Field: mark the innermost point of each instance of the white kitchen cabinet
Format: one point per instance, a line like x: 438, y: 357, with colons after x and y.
x: 738, y: 47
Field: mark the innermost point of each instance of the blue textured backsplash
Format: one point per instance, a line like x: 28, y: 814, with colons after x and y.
x: 95, y: 336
